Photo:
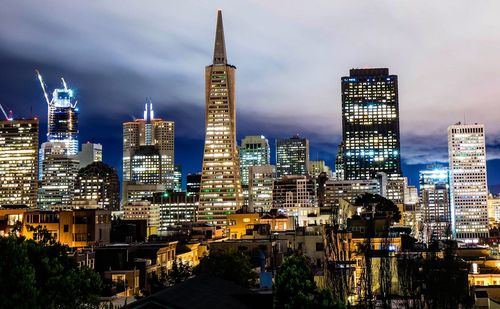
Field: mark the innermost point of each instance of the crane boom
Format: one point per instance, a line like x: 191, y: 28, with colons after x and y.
x: 43, y: 86
x: 5, y: 114
x: 64, y: 83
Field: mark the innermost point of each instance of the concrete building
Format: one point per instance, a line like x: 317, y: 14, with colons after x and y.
x: 98, y: 182
x: 260, y: 188
x: 133, y: 192
x: 292, y: 156
x: 469, y: 189
x: 75, y: 228
x: 435, y: 197
x: 175, y: 208
x: 143, y: 210
x: 220, y: 192
x: 89, y: 154
x: 59, y: 172
x: 294, y: 191
x: 317, y: 167
x: 346, y: 190
x: 19, y: 162
x: 494, y: 209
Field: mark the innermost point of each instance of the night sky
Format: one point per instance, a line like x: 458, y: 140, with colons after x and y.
x: 290, y: 59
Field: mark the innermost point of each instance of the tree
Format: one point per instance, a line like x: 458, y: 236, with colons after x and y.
x: 295, y: 286
x: 180, y: 272
x: 382, y: 206
x: 42, y: 275
x: 233, y: 267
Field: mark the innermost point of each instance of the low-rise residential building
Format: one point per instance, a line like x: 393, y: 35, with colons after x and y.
x: 74, y: 228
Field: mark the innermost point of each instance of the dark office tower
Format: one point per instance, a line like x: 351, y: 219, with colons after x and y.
x: 220, y: 192
x: 370, y: 124
x: 292, y: 156
x: 193, y: 184
x: 99, y: 183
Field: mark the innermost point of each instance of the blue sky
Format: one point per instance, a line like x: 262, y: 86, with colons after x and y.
x: 290, y: 58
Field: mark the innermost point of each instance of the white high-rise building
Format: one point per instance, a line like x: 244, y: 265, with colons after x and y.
x: 469, y: 191
x: 89, y: 154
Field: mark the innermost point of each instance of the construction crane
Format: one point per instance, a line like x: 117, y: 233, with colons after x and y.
x: 64, y: 83
x: 43, y: 87
x: 5, y: 114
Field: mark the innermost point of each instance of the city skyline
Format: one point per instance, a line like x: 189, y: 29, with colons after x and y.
x: 183, y: 102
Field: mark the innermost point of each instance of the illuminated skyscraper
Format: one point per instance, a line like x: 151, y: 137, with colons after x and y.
x: 469, y: 193
x: 220, y: 192
x: 370, y: 124
x: 58, y: 175
x: 99, y: 183
x: 18, y: 162
x: 435, y: 197
x: 62, y: 120
x: 254, y: 150
x: 153, y: 133
x: 292, y: 156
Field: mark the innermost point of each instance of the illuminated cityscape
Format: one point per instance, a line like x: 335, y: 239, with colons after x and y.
x: 363, y: 193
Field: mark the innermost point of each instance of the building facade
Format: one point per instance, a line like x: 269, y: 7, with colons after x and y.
x: 19, y: 162
x: 435, y: 209
x: 294, y: 191
x: 370, y: 124
x: 220, y: 188
x: 260, y: 188
x: 59, y: 172
x: 317, y: 167
x: 292, y: 156
x: 98, y: 182
x: 176, y: 208
x: 89, y: 154
x: 254, y: 150
x: 193, y: 182
x: 153, y: 133
x: 143, y: 210
x: 469, y: 190
x: 177, y: 178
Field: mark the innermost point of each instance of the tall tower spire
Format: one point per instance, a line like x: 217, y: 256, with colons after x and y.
x: 220, y: 44
x: 220, y: 188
